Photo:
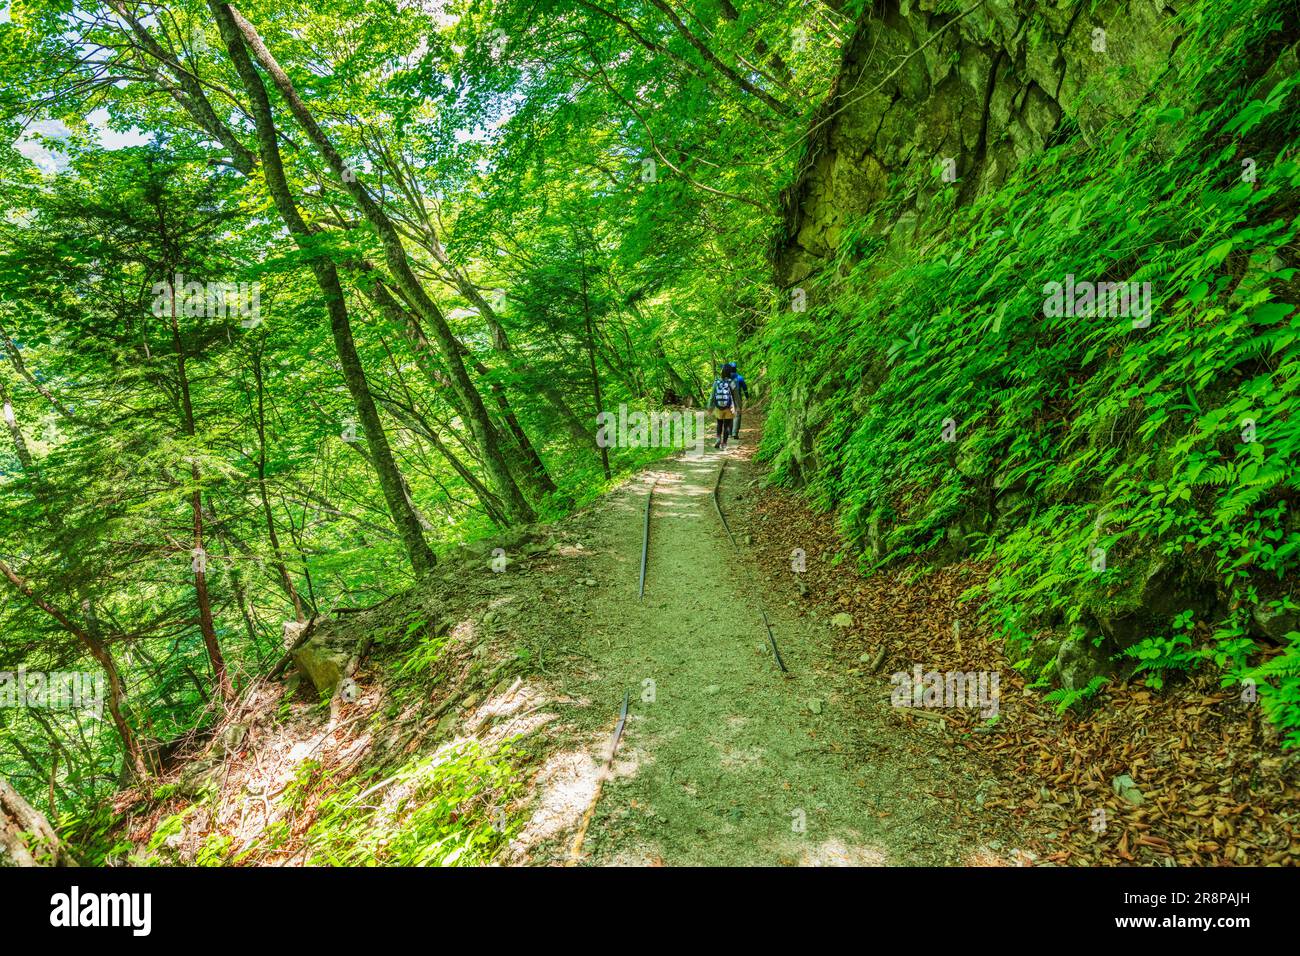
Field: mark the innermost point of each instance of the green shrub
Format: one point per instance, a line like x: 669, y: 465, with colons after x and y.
x: 1168, y: 446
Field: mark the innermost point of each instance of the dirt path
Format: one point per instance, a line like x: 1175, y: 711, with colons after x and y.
x: 724, y: 760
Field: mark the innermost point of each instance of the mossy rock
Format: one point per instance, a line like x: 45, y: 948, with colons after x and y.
x: 324, y: 661
x: 1080, y: 659
x: 200, y: 777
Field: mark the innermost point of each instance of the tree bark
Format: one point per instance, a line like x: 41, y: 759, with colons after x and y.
x: 100, y: 652
x: 398, y: 264
x: 535, y: 468
x: 199, y: 564
x: 591, y: 359
x: 282, y: 569
x: 18, y: 817
x: 729, y: 12
x: 418, y: 551
x: 16, y: 360
x: 11, y: 422
x: 534, y: 472
x: 703, y: 49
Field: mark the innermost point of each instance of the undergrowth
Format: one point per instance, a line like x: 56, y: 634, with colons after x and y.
x: 1096, y: 458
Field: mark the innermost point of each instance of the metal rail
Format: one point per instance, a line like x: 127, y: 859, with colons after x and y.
x: 622, y: 721
x: 771, y: 638
x: 645, y: 537
x: 723, y: 518
x: 575, y: 852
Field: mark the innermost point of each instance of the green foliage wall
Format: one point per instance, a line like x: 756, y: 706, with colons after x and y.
x: 1135, y: 484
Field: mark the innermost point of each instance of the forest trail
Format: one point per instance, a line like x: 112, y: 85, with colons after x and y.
x: 724, y: 760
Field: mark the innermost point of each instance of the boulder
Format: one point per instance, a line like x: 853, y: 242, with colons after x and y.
x: 1274, y: 623
x: 513, y: 539
x: 1012, y: 505
x: 1155, y: 592
x: 324, y: 660
x: 964, y: 532
x: 232, y: 737
x: 522, y: 541
x: 200, y: 776
x: 1045, y: 648
x: 1079, y: 660
x: 291, y: 631
x: 469, y: 551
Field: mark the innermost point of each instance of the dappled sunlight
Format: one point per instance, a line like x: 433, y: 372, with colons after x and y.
x: 718, y: 749
x: 464, y: 630
x: 834, y: 851
x: 515, y: 712
x: 567, y: 786
x: 983, y: 856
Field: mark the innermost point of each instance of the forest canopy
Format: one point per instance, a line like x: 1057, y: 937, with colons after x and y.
x: 296, y: 297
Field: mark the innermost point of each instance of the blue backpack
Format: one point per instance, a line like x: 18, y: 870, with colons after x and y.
x: 722, y: 393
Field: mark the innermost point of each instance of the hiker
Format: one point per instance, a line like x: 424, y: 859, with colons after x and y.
x: 739, y: 390
x: 722, y: 402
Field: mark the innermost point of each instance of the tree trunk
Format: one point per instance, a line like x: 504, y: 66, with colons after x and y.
x: 398, y: 265
x: 591, y: 358
x: 536, y: 470
x: 11, y: 422
x: 286, y: 580
x: 418, y: 551
x: 676, y: 384
x: 246, y: 610
x: 19, y: 822
x: 16, y: 359
x: 100, y: 652
x: 533, y: 471
x: 199, y: 564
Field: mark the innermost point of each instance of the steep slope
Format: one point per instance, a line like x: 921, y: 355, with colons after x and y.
x: 470, y: 721
x: 967, y: 92
x: 1076, y: 357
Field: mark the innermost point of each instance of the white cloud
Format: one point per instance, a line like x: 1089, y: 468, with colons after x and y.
x: 30, y: 144
x: 50, y: 159
x: 111, y: 139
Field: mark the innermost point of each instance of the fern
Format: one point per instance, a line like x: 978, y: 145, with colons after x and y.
x: 1064, y: 698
